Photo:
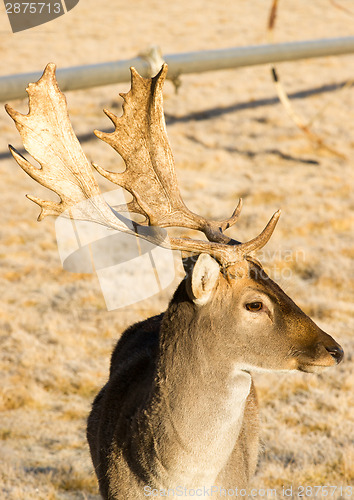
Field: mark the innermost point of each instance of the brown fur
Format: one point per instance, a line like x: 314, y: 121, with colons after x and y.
x: 171, y: 413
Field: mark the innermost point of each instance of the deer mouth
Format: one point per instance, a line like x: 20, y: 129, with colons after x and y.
x: 327, y: 356
x: 314, y: 368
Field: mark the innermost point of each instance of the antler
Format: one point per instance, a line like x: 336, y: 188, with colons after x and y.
x: 140, y: 138
x: 48, y: 136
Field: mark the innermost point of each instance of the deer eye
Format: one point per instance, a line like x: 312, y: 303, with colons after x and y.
x: 254, y: 306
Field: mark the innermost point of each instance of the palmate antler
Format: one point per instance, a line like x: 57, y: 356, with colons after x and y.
x: 140, y: 138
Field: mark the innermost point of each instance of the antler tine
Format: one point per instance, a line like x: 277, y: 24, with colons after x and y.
x: 259, y: 241
x: 234, y: 217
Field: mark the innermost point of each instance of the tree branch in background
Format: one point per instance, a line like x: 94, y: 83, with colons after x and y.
x: 299, y: 121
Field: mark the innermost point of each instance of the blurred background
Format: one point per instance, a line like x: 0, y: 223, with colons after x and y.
x: 231, y: 137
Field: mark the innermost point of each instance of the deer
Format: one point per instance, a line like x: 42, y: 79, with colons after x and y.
x: 179, y: 411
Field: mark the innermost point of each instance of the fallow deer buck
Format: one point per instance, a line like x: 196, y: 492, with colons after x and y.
x: 179, y: 409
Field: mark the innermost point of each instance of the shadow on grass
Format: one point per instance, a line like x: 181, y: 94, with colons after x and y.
x: 219, y: 111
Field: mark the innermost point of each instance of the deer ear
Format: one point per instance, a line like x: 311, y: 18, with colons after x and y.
x: 203, y: 279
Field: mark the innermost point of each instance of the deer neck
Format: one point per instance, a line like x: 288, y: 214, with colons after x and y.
x: 199, y: 399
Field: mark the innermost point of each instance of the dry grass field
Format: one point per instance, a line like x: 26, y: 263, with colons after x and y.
x: 231, y: 138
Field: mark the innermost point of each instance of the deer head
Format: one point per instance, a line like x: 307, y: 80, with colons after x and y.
x: 269, y: 331
x: 253, y: 299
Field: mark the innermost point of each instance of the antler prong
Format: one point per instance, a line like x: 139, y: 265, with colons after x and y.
x: 259, y: 241
x: 111, y: 116
x: 115, y: 177
x: 47, y: 207
x: 234, y: 217
x: 32, y: 171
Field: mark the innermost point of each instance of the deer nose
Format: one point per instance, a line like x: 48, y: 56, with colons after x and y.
x: 336, y: 352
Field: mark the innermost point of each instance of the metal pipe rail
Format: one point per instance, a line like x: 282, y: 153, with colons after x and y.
x: 82, y: 77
